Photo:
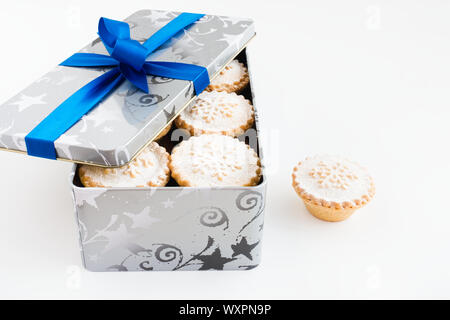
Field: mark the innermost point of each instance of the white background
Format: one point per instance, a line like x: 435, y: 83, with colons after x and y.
x: 366, y: 79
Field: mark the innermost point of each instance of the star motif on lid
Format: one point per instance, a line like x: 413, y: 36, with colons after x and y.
x: 168, y: 203
x: 142, y: 219
x: 213, y: 261
x: 107, y: 129
x: 170, y: 115
x: 243, y: 248
x: 27, y: 101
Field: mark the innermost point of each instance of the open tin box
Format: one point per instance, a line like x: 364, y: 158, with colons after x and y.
x: 151, y: 228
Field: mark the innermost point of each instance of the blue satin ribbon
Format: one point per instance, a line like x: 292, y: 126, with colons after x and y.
x: 128, y: 59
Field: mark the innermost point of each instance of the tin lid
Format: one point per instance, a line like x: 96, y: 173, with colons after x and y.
x: 128, y: 119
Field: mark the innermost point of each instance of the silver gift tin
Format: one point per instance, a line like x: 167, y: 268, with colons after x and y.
x: 119, y: 127
x: 172, y: 227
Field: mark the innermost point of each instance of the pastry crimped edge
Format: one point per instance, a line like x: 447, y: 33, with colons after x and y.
x: 180, y: 123
x: 237, y: 86
x: 331, y: 210
x: 89, y: 183
x: 185, y: 183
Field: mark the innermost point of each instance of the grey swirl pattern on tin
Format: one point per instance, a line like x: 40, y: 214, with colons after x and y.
x: 167, y: 253
x: 214, y: 217
x: 160, y: 80
x: 248, y: 200
x: 151, y: 99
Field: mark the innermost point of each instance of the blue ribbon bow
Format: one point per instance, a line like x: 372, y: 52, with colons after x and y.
x: 128, y: 59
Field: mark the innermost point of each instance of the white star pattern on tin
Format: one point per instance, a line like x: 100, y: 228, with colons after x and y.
x: 185, y: 191
x: 45, y: 79
x: 168, y: 204
x: 115, y: 238
x: 64, y: 80
x: 142, y: 219
x: 156, y: 15
x: 88, y: 196
x: 229, y: 38
x: 26, y: 101
x: 3, y: 130
x: 101, y: 114
x: 107, y: 129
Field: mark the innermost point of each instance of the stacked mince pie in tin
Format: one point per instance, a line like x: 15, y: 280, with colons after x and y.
x: 211, y: 156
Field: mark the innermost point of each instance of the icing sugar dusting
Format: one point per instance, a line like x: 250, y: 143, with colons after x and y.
x: 150, y: 168
x: 232, y: 73
x: 334, y: 179
x: 215, y: 160
x: 218, y: 112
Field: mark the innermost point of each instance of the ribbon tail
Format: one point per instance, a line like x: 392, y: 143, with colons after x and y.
x: 170, y: 29
x: 183, y: 71
x: 89, y: 60
x: 40, y: 141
